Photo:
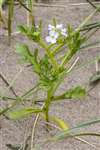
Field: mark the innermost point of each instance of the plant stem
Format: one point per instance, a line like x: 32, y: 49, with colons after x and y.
x: 10, y: 15
x: 66, y: 58
x: 51, y: 57
x: 47, y: 104
x: 57, y: 48
x: 50, y: 94
x: 30, y: 17
x: 30, y: 90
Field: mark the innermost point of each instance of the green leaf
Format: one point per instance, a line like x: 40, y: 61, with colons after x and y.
x: 31, y: 32
x: 1, y: 3
x: 27, y: 56
x: 74, y: 41
x: 22, y: 29
x: 23, y: 50
x: 76, y: 92
x: 24, y: 112
x: 58, y: 121
x: 91, y: 26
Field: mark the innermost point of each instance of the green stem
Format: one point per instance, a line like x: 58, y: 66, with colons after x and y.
x: 57, y: 48
x: 66, y: 58
x: 30, y: 90
x: 10, y: 15
x: 47, y: 104
x: 50, y: 94
x: 30, y: 17
x: 90, y: 26
x: 51, y: 57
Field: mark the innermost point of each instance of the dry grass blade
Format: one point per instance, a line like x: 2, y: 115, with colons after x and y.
x: 34, y: 128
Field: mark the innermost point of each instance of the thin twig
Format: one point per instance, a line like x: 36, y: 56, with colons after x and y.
x: 7, y: 84
x: 34, y: 127
x: 91, y: 3
x: 77, y: 59
x: 75, y: 137
x: 62, y: 6
x: 84, y: 141
x: 96, y: 66
x: 52, y: 125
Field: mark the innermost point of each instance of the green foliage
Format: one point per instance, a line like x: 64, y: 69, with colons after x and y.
x: 76, y: 92
x: 1, y: 3
x: 74, y: 41
x: 33, y: 33
x: 40, y: 66
x: 27, y: 56
x: 23, y: 50
x: 72, y: 94
x: 51, y: 74
x: 20, y: 113
x: 58, y: 121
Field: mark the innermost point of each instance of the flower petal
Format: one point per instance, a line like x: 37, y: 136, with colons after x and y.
x: 53, y: 40
x: 59, y: 26
x: 54, y: 34
x: 63, y: 32
x: 50, y: 27
x: 48, y: 39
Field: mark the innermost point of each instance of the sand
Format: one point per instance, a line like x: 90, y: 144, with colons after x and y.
x: 73, y: 112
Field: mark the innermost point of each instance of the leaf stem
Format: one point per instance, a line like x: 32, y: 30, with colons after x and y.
x: 51, y: 57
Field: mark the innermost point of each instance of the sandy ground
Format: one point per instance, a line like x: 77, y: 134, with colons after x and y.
x: 73, y: 112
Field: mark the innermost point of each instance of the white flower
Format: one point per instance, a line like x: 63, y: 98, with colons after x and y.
x: 37, y: 26
x: 51, y: 27
x: 54, y: 34
x: 63, y: 32
x: 59, y: 26
x: 51, y: 39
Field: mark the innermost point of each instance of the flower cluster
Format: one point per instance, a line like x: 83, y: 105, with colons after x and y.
x: 55, y: 32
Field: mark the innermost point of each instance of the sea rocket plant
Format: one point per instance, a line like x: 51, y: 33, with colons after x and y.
x: 55, y: 32
x: 51, y: 69
x: 51, y: 72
